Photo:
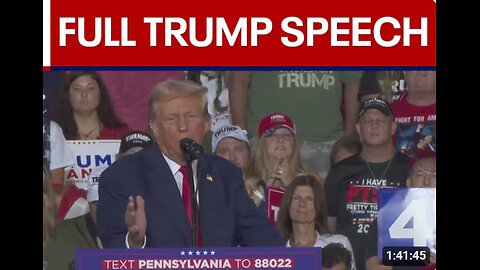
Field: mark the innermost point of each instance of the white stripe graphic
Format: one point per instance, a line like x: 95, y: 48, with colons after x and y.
x: 46, y: 33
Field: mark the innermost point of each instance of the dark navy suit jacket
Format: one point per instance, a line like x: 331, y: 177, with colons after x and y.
x: 228, y: 217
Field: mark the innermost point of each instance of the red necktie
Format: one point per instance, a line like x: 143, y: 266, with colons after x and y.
x: 186, y: 193
x: 187, y: 201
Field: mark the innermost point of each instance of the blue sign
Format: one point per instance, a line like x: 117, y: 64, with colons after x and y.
x: 406, y: 217
x: 199, y: 258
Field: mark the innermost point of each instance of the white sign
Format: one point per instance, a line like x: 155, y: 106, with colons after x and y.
x: 88, y: 155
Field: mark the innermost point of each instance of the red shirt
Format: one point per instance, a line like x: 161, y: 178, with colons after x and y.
x: 416, y: 126
x: 113, y: 133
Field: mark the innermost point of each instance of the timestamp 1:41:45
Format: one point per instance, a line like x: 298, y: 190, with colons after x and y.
x: 406, y: 256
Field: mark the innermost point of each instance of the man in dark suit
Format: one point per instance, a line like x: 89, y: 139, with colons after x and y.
x: 157, y: 216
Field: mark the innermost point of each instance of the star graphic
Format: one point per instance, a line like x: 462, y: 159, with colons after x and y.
x: 212, y: 252
x: 205, y: 252
x: 198, y: 252
x: 182, y: 253
x: 190, y: 253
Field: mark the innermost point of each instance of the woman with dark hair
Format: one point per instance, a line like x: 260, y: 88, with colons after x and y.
x: 84, y: 110
x: 302, y: 219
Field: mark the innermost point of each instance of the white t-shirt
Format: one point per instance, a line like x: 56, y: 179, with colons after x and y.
x: 218, y: 119
x: 325, y: 239
x: 60, y: 154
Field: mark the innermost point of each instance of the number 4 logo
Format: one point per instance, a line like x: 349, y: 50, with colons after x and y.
x: 417, y: 209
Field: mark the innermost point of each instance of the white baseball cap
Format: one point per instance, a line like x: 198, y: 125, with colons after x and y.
x: 229, y: 131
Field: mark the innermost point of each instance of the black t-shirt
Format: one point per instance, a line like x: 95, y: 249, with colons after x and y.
x: 371, y: 245
x: 369, y: 84
x: 351, y: 190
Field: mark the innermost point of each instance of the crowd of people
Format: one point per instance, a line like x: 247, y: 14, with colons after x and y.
x: 327, y: 141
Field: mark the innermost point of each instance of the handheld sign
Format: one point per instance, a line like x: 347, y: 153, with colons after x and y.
x: 88, y: 155
x: 275, y: 197
x: 406, y: 218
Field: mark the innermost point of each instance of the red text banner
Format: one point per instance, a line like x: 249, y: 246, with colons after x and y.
x: 311, y: 33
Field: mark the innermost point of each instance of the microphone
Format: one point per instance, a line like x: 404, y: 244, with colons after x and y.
x: 191, y: 149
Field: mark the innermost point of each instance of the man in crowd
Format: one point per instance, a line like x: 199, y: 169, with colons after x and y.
x: 352, y: 184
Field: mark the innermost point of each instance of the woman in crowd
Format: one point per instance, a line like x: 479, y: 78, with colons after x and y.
x: 302, y: 218
x: 84, y: 110
x: 276, y: 159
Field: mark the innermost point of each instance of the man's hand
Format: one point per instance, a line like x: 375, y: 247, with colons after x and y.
x: 433, y: 258
x: 136, y: 221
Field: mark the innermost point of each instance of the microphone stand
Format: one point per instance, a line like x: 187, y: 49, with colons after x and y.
x: 194, y: 205
x: 192, y: 152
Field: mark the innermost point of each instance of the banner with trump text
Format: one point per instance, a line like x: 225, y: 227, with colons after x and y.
x: 147, y: 34
x: 88, y: 155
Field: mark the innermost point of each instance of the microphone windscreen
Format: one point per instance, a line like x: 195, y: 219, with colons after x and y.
x: 191, y: 148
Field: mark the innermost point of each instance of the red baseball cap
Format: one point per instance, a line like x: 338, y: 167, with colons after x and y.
x: 272, y: 122
x: 421, y: 154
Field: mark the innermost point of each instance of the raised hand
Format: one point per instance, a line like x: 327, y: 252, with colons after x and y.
x: 136, y: 222
x: 280, y: 176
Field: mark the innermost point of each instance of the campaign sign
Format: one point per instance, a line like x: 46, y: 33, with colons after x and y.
x: 199, y: 258
x: 90, y: 154
x: 274, y: 200
x: 406, y: 217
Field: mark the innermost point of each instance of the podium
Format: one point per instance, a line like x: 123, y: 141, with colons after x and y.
x: 199, y: 258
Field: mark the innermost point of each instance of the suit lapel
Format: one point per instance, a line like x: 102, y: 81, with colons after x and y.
x: 164, y: 191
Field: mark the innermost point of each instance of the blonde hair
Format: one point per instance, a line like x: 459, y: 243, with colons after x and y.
x: 171, y: 89
x: 352, y: 145
x: 259, y: 168
x: 49, y: 204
